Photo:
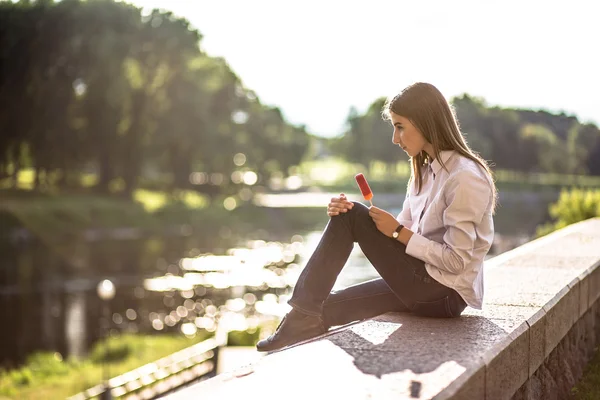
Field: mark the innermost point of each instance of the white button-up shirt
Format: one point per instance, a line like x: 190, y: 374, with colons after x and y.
x: 452, y: 223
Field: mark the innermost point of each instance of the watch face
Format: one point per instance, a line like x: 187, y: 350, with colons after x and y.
x: 395, y: 235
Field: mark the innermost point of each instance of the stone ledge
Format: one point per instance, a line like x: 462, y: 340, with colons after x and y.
x: 537, y: 296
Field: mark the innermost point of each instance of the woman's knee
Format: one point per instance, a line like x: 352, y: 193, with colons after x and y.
x: 358, y: 211
x: 359, y: 208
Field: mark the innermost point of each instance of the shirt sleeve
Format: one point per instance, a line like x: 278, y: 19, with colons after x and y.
x: 405, y: 216
x: 467, y: 197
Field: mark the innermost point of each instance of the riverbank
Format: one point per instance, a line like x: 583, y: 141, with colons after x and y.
x: 56, y: 214
x: 47, y: 375
x: 54, y: 218
x: 62, y: 218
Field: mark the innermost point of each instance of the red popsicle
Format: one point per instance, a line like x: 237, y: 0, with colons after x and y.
x: 364, y: 187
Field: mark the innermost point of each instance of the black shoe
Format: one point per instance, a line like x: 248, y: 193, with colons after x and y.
x: 295, y: 327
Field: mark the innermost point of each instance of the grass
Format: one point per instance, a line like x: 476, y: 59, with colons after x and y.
x: 588, y: 388
x: 48, y: 376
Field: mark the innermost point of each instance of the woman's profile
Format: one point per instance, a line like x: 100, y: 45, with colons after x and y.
x: 430, y: 257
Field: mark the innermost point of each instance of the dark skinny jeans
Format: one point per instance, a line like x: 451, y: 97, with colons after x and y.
x: 404, y: 285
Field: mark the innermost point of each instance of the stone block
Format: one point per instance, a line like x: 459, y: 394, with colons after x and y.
x: 537, y: 340
x: 549, y: 388
x: 595, y: 311
x: 561, y: 313
x: 507, y: 364
x: 584, y: 293
x: 532, y: 286
x: 589, y: 226
x: 470, y: 385
x: 531, y: 390
x: 578, y: 245
x: 593, y: 276
x: 587, y: 341
x: 505, y: 317
x: 575, y: 287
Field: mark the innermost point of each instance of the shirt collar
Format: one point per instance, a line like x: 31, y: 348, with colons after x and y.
x: 444, y: 156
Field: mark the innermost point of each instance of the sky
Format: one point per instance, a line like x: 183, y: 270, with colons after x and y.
x: 315, y: 59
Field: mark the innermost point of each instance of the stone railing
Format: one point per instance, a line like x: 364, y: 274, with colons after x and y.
x: 538, y: 329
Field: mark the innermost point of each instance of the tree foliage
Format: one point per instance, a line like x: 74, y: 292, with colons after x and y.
x: 520, y: 140
x: 102, y: 88
x: 98, y: 86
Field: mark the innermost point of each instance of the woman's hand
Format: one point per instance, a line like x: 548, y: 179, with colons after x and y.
x: 386, y: 222
x: 339, y: 205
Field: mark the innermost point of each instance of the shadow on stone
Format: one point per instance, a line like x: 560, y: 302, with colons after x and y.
x: 396, y: 342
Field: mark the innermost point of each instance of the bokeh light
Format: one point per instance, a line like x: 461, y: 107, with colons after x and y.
x: 239, y: 159
x: 230, y: 204
x: 250, y: 178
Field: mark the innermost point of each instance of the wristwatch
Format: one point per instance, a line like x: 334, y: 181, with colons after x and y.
x: 397, y: 231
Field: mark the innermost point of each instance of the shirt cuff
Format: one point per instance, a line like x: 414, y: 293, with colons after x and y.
x: 417, y: 246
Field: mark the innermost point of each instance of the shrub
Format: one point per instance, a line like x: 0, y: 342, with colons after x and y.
x: 243, y: 338
x: 118, y: 349
x: 572, y: 206
x: 46, y: 364
x: 21, y: 377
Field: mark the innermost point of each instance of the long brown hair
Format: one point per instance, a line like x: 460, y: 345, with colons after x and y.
x: 427, y: 109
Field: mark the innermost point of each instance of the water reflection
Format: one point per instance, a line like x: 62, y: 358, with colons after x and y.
x: 246, y: 287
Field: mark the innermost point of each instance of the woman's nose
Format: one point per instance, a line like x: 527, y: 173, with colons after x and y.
x: 395, y: 138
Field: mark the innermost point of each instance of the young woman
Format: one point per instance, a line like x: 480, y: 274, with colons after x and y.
x: 430, y: 257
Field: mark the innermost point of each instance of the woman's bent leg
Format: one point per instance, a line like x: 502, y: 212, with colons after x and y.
x: 360, y: 301
x: 405, y: 275
x: 322, y: 269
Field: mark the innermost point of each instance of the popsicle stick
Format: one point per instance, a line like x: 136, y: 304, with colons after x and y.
x: 371, y: 203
